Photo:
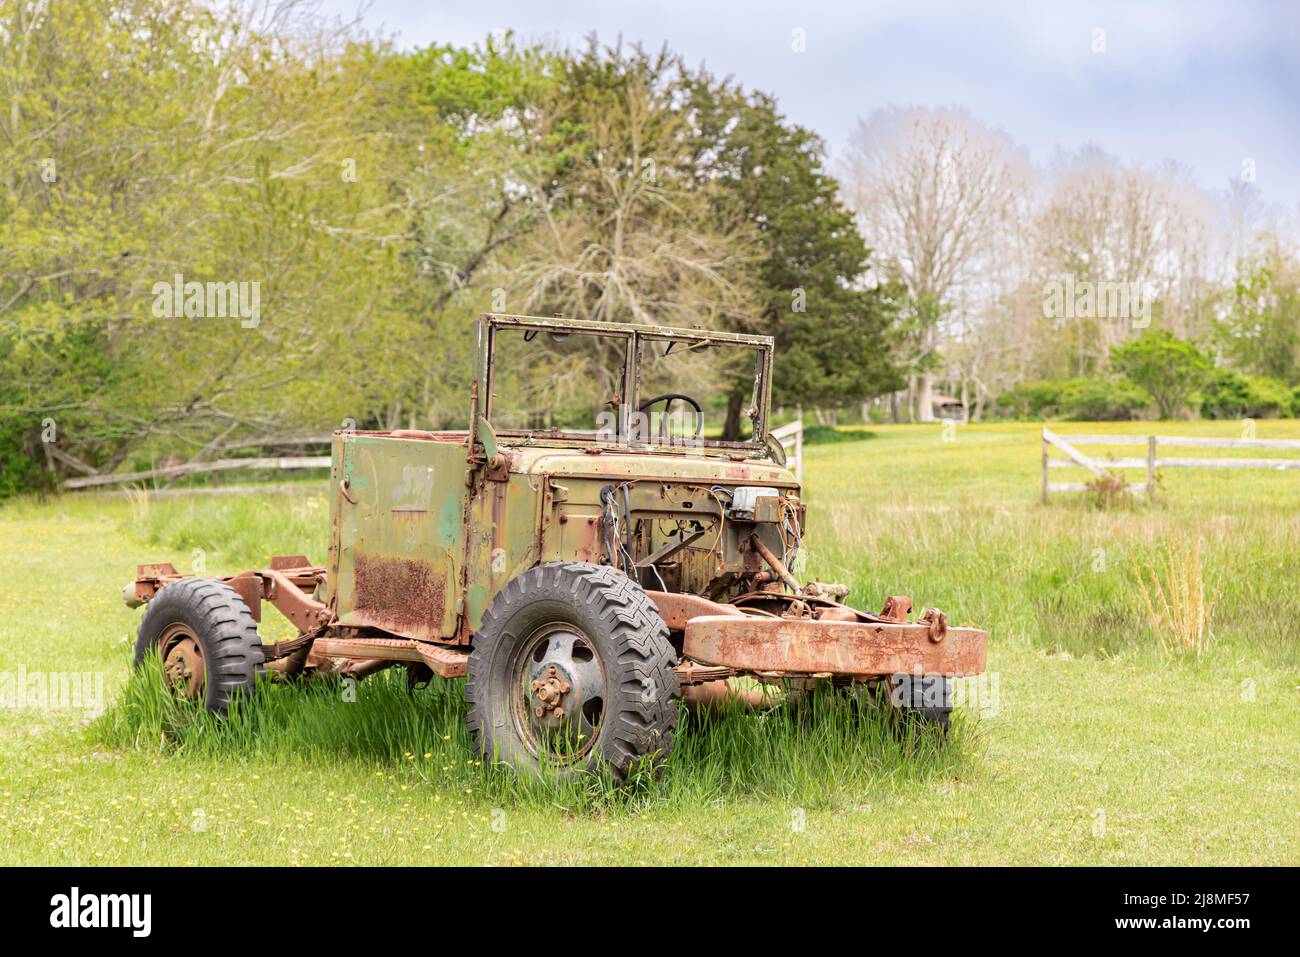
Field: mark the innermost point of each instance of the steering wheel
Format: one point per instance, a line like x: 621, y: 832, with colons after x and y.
x: 668, y: 398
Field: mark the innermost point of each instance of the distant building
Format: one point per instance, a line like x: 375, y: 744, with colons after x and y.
x: 947, y: 407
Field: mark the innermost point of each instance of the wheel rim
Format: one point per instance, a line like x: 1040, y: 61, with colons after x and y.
x: 560, y: 697
x: 184, y: 667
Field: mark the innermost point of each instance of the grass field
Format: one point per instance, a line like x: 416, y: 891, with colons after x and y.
x: 1098, y: 747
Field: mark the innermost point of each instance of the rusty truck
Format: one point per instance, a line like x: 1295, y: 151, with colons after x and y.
x: 583, y: 581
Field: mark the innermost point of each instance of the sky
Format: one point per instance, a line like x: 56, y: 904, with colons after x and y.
x: 1213, y: 85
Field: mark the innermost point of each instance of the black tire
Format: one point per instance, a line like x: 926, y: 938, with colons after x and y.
x: 211, y: 614
x: 604, y: 612
x: 924, y: 700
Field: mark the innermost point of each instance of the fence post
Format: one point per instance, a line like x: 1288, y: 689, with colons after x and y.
x: 1046, y: 455
x: 1151, y: 468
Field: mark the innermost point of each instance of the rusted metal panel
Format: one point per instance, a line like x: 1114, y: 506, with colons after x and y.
x: 444, y: 661
x: 834, y: 647
x: 503, y: 539
x: 676, y: 609
x: 575, y: 533
x: 678, y: 465
x: 403, y: 595
x: 399, y: 538
x: 365, y: 649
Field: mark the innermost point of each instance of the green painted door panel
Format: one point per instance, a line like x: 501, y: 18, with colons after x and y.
x: 397, y: 533
x: 505, y: 535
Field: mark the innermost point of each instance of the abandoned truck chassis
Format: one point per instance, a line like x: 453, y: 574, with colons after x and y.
x: 661, y: 561
x: 718, y: 641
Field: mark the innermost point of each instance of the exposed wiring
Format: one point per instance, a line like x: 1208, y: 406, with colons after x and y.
x: 609, y: 519
x: 627, y: 517
x: 662, y: 586
x: 790, y: 530
x: 722, y: 518
x: 618, y: 544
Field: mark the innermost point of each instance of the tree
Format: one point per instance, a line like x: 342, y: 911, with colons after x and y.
x: 623, y: 235
x: 1142, y: 230
x: 1261, y: 331
x: 1168, y: 368
x: 812, y: 276
x: 935, y: 192
x: 481, y: 169
x: 144, y: 140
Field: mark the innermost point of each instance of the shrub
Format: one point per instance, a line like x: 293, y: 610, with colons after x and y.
x: 1030, y: 400
x: 1169, y: 368
x: 1224, y: 395
x: 1102, y: 400
x: 825, y: 434
x: 1230, y: 395
x: 21, y: 456
x: 1270, y: 398
x: 1088, y: 400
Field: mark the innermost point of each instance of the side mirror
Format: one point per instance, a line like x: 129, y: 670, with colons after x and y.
x: 487, y: 436
x: 775, y: 449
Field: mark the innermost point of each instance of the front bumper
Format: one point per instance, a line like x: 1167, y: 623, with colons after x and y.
x: 834, y: 648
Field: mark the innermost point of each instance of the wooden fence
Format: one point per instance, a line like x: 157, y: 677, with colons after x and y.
x: 1101, y: 469
x: 200, y: 463
x: 191, y: 468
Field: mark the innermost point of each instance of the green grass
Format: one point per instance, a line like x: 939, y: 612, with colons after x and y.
x: 1100, y: 748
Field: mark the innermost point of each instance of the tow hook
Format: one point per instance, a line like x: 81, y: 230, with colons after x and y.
x: 938, y: 624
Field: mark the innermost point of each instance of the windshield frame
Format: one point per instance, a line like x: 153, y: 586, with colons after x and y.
x: 635, y: 337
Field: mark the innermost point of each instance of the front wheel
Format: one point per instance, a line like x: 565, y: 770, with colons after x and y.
x: 572, y: 668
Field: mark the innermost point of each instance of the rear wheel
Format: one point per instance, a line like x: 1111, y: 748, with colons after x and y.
x: 920, y: 700
x: 207, y: 638
x: 908, y: 701
x: 572, y: 668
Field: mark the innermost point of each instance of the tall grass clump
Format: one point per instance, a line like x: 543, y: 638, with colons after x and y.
x: 1178, y: 610
x: 814, y: 750
x: 1110, y: 491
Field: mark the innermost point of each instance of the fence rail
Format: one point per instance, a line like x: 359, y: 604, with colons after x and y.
x: 192, y: 468
x: 1076, y: 459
